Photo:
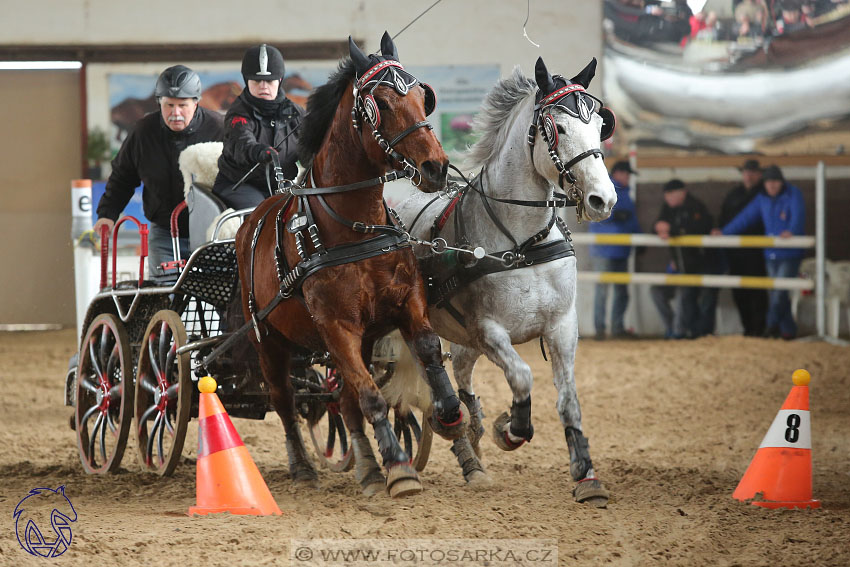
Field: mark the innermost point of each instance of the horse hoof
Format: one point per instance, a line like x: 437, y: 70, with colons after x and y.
x: 592, y: 492
x: 402, y: 480
x: 304, y: 476
x: 478, y: 480
x: 373, y: 483
x: 500, y: 433
x: 450, y: 431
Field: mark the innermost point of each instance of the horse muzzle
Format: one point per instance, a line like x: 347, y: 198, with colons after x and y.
x: 434, y: 175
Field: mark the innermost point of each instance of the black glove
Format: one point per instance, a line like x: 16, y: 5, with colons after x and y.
x: 622, y: 216
x: 263, y: 154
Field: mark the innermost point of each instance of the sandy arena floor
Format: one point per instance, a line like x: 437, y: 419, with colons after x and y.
x: 672, y: 427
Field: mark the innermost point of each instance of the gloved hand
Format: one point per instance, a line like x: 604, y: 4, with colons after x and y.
x: 263, y: 154
x: 622, y: 215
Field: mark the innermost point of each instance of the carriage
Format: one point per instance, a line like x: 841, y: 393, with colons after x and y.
x: 146, y: 342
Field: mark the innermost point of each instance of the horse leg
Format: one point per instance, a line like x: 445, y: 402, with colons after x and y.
x: 360, y: 390
x: 367, y: 472
x: 448, y: 419
x: 509, y: 431
x: 562, y: 341
x: 275, y: 363
x: 466, y: 449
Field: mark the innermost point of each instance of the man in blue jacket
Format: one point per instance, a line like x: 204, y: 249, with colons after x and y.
x: 623, y: 220
x: 783, y: 212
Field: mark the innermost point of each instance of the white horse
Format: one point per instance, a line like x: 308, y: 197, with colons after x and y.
x: 533, y: 137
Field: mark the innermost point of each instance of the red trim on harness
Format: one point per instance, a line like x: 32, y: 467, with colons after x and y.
x: 560, y: 93
x: 367, y: 76
x: 447, y: 213
x: 587, y: 479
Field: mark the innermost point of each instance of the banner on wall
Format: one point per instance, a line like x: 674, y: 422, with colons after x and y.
x: 729, y: 76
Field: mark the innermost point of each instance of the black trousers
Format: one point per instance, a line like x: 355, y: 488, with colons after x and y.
x: 751, y: 303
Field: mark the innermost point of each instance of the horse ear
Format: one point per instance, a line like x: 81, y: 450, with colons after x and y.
x: 586, y: 74
x: 544, y: 79
x: 361, y: 61
x: 388, y: 48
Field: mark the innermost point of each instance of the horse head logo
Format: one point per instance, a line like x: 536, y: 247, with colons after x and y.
x: 43, y: 506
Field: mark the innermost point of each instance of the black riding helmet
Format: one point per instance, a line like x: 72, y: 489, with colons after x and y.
x: 178, y: 82
x: 262, y: 63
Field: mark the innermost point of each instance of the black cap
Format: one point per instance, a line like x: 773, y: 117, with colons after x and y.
x: 674, y: 184
x: 773, y: 172
x: 178, y: 81
x: 262, y: 63
x: 623, y: 165
x: 751, y: 165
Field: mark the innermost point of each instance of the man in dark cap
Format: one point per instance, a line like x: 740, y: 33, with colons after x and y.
x: 605, y: 258
x: 260, y: 124
x: 751, y: 303
x: 149, y: 156
x: 683, y: 214
x: 783, y: 212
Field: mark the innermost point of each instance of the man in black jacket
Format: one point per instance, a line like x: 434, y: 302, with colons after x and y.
x: 751, y: 303
x: 683, y: 214
x: 261, y: 123
x: 149, y: 155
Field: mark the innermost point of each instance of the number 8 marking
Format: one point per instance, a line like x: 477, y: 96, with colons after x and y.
x: 792, y: 434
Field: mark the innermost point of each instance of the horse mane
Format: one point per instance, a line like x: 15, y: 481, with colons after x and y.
x: 321, y: 109
x: 494, y: 120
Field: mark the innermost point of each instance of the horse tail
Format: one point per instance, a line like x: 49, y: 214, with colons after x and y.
x: 406, y: 388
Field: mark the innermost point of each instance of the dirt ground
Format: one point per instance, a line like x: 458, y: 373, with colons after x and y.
x: 672, y: 427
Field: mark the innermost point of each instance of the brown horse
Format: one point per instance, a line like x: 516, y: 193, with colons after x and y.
x: 344, y: 307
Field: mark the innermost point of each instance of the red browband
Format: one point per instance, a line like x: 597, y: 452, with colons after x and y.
x: 562, y: 92
x: 368, y: 75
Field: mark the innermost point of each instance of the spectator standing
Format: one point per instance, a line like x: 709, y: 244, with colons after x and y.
x: 607, y: 258
x: 783, y: 212
x: 751, y: 303
x: 683, y: 214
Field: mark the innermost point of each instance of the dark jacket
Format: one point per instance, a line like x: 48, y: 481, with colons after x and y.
x: 247, y: 131
x: 623, y: 220
x: 786, y: 211
x: 690, y: 218
x: 743, y: 261
x: 149, y: 156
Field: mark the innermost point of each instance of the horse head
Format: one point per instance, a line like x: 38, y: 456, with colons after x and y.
x: 568, y: 128
x: 393, y: 105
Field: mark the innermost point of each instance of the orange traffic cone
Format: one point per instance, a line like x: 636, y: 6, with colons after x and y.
x: 780, y: 475
x: 227, y: 478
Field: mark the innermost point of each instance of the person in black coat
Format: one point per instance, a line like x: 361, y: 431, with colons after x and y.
x: 683, y: 214
x: 751, y: 303
x: 149, y: 155
x: 261, y: 123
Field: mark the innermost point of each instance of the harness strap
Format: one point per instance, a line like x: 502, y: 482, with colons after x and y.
x: 391, y: 176
x: 410, y: 130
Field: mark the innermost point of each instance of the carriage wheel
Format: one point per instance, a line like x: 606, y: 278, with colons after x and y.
x: 104, y: 395
x: 415, y: 436
x: 163, y: 394
x: 327, y: 430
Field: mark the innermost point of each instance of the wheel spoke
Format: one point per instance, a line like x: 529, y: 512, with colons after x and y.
x: 93, y: 357
x: 159, y: 439
x: 147, y: 383
x: 114, y: 358
x: 111, y: 425
x: 343, y: 436
x: 104, y: 421
x: 146, y: 415
x: 115, y: 392
x: 88, y: 414
x: 104, y: 341
x: 93, y: 437
x: 329, y: 446
x: 414, y: 425
x: 153, y: 360
x: 151, y: 437
x: 163, y: 342
x: 169, y: 359
x: 172, y: 391
x: 88, y: 386
x: 168, y: 423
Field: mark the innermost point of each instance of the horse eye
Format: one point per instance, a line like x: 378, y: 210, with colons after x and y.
x: 561, y: 129
x: 382, y: 104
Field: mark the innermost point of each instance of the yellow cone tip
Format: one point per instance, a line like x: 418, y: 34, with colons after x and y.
x: 207, y: 384
x: 801, y: 377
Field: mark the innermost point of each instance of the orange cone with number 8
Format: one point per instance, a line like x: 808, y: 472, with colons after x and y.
x: 780, y: 475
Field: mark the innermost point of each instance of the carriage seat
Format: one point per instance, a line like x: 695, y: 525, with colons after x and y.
x: 199, y: 166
